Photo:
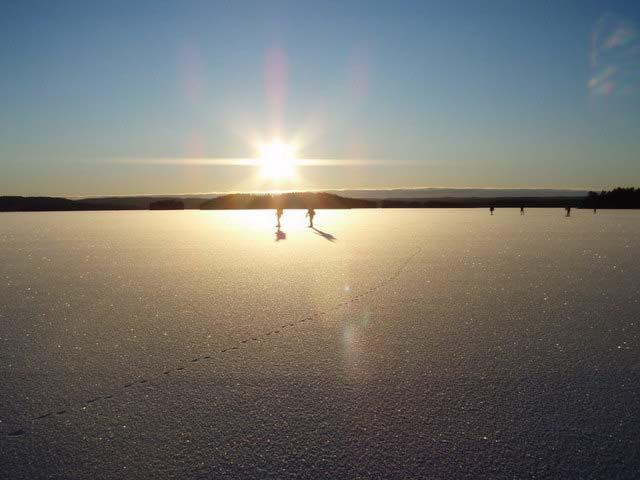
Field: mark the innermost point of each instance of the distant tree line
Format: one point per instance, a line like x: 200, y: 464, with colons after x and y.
x: 167, y: 205
x: 616, y: 198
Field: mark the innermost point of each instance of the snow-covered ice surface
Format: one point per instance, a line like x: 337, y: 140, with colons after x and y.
x: 389, y: 344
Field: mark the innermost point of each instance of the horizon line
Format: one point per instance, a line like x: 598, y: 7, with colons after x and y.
x: 311, y: 190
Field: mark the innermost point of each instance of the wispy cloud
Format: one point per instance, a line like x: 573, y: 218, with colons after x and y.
x: 602, y: 83
x: 623, y: 35
x: 243, y: 162
x: 615, y: 57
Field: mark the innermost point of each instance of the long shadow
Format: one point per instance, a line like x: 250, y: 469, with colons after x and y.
x: 324, y: 235
x: 280, y: 235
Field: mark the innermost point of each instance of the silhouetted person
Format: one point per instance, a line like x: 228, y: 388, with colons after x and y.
x: 279, y: 212
x: 521, y: 210
x: 594, y: 210
x: 310, y: 213
x: 491, y: 209
x: 568, y: 209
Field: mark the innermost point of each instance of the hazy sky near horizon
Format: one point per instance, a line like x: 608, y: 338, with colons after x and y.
x: 120, y: 97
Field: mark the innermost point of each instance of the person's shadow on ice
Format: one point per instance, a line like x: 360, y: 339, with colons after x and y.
x: 325, y: 235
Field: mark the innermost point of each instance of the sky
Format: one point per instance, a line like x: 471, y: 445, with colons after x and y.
x: 121, y: 98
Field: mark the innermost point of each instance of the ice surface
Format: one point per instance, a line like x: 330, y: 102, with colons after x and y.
x: 387, y: 344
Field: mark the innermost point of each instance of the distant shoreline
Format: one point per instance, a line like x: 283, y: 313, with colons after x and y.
x: 616, y: 199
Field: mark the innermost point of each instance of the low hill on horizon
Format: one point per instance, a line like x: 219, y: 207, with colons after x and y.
x: 440, y: 192
x: 370, y: 194
x: 616, y: 198
x: 320, y: 200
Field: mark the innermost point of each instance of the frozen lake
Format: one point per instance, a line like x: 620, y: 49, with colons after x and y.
x: 385, y: 344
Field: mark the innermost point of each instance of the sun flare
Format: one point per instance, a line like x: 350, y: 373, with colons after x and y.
x: 277, y: 160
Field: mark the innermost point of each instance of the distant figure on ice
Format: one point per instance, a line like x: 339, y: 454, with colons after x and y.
x: 568, y: 209
x: 279, y: 212
x: 594, y: 210
x: 310, y: 213
x: 521, y: 210
x: 491, y: 209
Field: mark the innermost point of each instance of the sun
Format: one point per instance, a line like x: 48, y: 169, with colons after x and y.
x: 277, y: 160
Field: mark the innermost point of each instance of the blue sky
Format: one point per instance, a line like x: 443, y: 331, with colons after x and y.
x: 478, y: 94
